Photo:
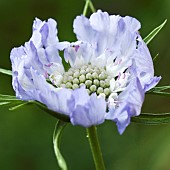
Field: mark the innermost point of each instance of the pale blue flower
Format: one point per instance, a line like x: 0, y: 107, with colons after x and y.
x: 110, y: 70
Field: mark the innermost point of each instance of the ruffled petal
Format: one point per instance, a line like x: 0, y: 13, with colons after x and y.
x: 133, y: 23
x: 40, y: 54
x: 144, y: 65
x: 78, y: 53
x: 83, y: 29
x: 106, y: 32
x: 88, y: 110
x: 129, y: 104
x: 45, y: 41
x: 44, y: 33
x: 153, y: 82
x: 55, y: 99
x: 20, y: 80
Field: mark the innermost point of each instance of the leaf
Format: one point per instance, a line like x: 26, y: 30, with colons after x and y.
x: 160, y: 91
x: 166, y: 94
x: 4, y: 103
x: 160, y: 88
x: 56, y: 140
x: 12, y: 100
x: 149, y: 37
x: 155, y: 57
x: 19, y: 105
x: 152, y: 118
x: 8, y: 98
x: 4, y: 71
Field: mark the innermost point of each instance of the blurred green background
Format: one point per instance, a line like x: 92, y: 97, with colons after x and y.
x: 26, y: 134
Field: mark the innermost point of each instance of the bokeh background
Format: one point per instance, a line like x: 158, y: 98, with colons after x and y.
x: 26, y: 134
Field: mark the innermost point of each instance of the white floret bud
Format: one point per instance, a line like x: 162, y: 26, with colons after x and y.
x: 75, y: 81
x: 102, y: 83
x: 70, y: 73
x: 82, y: 78
x: 107, y: 82
x: 102, y: 76
x: 89, y: 76
x: 107, y: 91
x: 89, y: 70
x: 75, y: 86
x: 96, y: 82
x: 95, y: 75
x: 99, y: 90
x: 81, y: 84
x: 76, y: 74
x: 68, y: 85
x: 70, y: 79
x: 97, y: 70
x: 88, y: 83
x: 93, y: 88
x: 82, y: 71
x: 102, y: 70
x: 64, y: 80
x: 88, y: 91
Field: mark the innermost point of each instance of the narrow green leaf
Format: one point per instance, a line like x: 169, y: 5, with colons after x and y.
x: 149, y: 37
x: 160, y: 93
x: 56, y: 141
x: 160, y: 88
x: 155, y: 57
x: 152, y: 118
x: 4, y: 71
x: 11, y: 100
x: 4, y: 103
x: 19, y: 105
x: 14, y: 101
x: 8, y: 98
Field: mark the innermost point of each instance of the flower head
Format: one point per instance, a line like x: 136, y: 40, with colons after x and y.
x: 110, y: 70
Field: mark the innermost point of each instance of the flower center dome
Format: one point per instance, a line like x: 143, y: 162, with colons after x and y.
x: 94, y: 78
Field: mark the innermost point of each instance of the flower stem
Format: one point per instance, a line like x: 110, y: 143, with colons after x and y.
x: 92, y: 6
x: 88, y: 4
x: 95, y: 148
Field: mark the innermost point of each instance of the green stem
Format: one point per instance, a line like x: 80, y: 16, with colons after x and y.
x: 95, y: 148
x: 88, y: 4
x: 92, y: 6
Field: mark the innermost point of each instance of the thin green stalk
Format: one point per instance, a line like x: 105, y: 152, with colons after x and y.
x: 86, y: 7
x: 92, y: 6
x: 88, y: 4
x: 95, y: 148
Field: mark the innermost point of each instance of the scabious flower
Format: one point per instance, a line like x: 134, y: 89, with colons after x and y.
x: 110, y: 70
